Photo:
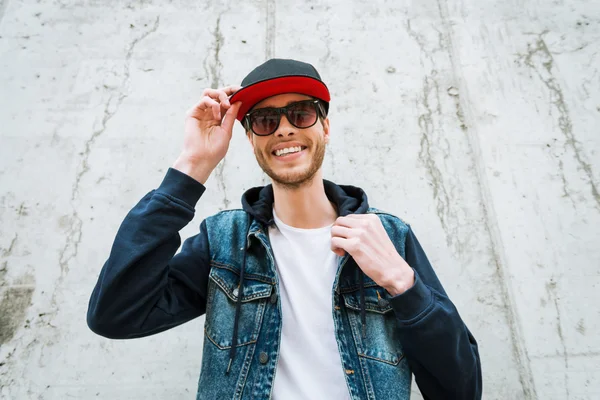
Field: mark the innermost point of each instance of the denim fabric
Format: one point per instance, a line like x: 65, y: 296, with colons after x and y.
x: 375, y: 367
x: 146, y: 287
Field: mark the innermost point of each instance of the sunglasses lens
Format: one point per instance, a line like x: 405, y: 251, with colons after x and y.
x: 302, y: 114
x: 264, y: 122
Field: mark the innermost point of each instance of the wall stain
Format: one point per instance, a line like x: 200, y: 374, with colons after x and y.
x: 580, y: 327
x: 440, y: 193
x: 271, y: 28
x: 452, y: 91
x: 22, y: 211
x: 540, y: 60
x: 324, y: 27
x: 14, y: 301
x: 13, y: 307
x: 3, y: 270
x: 433, y: 142
x: 519, y: 348
x: 8, y: 251
x: 563, y: 179
x: 214, y: 72
x: 270, y: 36
x: 553, y: 297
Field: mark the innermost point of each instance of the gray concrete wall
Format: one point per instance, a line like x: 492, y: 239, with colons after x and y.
x: 475, y: 121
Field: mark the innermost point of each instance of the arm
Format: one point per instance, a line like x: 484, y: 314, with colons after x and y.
x: 144, y: 288
x: 440, y: 350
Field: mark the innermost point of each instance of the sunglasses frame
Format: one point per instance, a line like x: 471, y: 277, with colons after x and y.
x: 319, y: 108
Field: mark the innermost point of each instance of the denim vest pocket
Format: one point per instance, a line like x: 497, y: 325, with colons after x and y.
x: 381, y: 341
x: 223, y: 290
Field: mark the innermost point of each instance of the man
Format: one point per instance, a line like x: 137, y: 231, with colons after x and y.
x: 308, y: 292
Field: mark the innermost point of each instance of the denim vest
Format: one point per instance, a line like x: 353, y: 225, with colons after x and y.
x: 374, y: 364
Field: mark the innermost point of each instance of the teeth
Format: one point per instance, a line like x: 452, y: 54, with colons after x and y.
x: 288, y: 150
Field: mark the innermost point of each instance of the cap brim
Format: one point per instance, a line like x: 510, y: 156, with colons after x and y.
x: 255, y: 93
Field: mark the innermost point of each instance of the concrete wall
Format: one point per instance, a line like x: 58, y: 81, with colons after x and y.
x: 475, y: 121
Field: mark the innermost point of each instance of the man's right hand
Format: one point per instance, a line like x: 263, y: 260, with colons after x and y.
x: 208, y: 129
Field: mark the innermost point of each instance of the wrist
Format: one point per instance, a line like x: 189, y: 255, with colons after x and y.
x: 400, y: 281
x: 193, y: 168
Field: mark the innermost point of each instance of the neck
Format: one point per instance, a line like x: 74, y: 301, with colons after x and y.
x: 304, y: 207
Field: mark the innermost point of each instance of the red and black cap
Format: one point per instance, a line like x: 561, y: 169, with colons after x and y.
x: 278, y: 76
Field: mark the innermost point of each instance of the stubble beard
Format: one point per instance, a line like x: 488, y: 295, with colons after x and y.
x: 294, y: 180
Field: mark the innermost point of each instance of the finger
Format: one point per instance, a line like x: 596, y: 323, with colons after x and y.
x: 361, y: 216
x: 218, y: 94
x: 199, y: 106
x: 224, y: 99
x: 207, y: 104
x: 216, y: 109
x: 225, y: 108
x: 339, y: 252
x: 351, y: 245
x: 229, y: 90
x: 339, y: 244
x: 202, y: 106
x: 364, y: 217
x: 341, y: 231
x: 348, y: 221
x: 230, y: 115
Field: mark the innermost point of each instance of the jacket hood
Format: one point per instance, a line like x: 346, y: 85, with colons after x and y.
x: 258, y: 201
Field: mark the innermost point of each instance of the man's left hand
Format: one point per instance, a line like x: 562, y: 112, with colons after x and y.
x: 365, y: 239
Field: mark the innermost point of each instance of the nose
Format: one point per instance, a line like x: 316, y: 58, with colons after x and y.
x: 284, y: 128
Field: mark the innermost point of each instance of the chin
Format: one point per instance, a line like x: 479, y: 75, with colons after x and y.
x: 294, y: 175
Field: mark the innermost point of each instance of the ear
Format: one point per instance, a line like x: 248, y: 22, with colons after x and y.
x: 326, y: 129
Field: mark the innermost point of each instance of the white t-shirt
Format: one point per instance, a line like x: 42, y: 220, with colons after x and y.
x: 309, y: 365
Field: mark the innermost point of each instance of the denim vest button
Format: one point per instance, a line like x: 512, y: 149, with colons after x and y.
x: 273, y: 298
x: 236, y: 291
x: 263, y: 358
x: 383, y: 302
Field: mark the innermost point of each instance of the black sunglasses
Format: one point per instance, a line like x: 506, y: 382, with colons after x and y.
x: 301, y: 114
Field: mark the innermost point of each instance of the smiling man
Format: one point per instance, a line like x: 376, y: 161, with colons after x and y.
x: 308, y: 291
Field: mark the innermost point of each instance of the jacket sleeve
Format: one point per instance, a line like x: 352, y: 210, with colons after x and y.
x: 439, y: 348
x: 144, y: 288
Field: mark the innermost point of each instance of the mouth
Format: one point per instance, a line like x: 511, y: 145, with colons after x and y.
x: 290, y: 156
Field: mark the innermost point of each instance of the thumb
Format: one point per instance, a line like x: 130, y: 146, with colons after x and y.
x: 230, y: 115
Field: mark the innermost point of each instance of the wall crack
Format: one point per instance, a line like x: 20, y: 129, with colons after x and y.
x: 491, y: 221
x: 540, y: 60
x: 111, y: 107
x: 214, y: 72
